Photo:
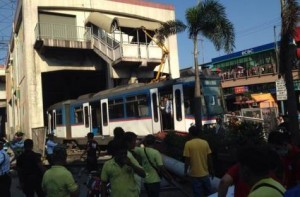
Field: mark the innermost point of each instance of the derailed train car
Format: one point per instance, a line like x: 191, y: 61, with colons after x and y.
x: 137, y: 108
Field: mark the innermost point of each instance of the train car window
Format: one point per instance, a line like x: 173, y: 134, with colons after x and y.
x: 116, y: 109
x: 155, y: 107
x: 188, y: 93
x: 212, y: 100
x: 136, y: 106
x: 104, y: 112
x: 178, y: 105
x: 86, y: 116
x: 54, y: 121
x: 210, y: 82
x: 59, y: 117
x: 78, y: 115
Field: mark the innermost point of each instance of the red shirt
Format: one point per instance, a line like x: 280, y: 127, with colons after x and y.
x: 291, y: 167
x: 241, y: 189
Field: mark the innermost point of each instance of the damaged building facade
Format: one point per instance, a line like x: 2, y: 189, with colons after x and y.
x: 60, y: 50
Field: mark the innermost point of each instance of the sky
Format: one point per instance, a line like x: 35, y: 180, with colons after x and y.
x: 253, y: 21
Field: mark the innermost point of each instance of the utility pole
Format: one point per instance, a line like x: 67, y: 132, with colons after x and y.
x: 287, y: 55
x: 276, y: 50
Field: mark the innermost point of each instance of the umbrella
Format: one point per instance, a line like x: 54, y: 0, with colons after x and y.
x: 216, y: 69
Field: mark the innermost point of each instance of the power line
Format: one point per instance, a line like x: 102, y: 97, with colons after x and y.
x: 7, y: 9
x: 261, y: 25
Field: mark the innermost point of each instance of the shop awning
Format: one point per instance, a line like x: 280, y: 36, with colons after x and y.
x: 101, y: 20
x: 264, y: 100
x: 105, y: 22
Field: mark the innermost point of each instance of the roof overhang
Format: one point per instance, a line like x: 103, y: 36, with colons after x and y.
x: 105, y: 21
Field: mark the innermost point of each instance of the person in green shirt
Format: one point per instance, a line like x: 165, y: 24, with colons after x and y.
x: 153, y: 165
x: 119, y: 171
x: 255, y: 169
x: 58, y: 181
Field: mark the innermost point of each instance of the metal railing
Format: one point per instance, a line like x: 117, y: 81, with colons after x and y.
x: 115, y: 50
x: 62, y: 32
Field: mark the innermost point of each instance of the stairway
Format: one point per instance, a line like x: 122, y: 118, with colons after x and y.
x: 107, y: 48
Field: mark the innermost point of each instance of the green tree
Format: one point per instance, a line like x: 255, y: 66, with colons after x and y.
x: 207, y: 19
x: 290, y: 12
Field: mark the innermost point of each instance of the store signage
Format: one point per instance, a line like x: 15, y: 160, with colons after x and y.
x: 240, y: 89
x: 247, y: 52
x: 281, y: 92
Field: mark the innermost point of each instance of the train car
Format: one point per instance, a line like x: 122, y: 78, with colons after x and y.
x: 137, y: 108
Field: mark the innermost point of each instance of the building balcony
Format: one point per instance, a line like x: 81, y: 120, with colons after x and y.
x: 259, y: 76
x: 117, y: 53
x: 62, y: 36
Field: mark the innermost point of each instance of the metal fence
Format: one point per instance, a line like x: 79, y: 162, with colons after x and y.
x: 62, y: 32
x: 39, y: 139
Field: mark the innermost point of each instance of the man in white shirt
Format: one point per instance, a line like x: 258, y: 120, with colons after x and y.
x: 167, y: 113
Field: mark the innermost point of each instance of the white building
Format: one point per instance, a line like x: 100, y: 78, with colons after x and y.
x: 2, y: 100
x: 62, y: 49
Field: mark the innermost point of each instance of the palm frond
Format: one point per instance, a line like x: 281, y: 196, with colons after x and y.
x: 192, y: 17
x: 169, y: 28
x: 209, y: 19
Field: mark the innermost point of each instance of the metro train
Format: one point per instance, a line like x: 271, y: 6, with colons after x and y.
x: 136, y: 107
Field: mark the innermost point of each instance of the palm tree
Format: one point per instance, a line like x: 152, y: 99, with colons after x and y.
x: 208, y: 19
x: 290, y: 13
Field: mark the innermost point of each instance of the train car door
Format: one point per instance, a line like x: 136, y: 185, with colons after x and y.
x: 104, y: 117
x: 178, y: 108
x: 156, y: 116
x: 87, y: 117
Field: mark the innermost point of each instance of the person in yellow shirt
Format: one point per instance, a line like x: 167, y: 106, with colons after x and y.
x: 198, y: 163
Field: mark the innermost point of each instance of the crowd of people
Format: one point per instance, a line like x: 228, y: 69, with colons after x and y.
x: 270, y: 170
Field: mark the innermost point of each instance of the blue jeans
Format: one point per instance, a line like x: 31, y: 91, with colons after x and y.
x: 201, y: 186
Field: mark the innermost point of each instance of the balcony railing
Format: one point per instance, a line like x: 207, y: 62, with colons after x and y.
x: 62, y: 32
x: 104, y: 44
